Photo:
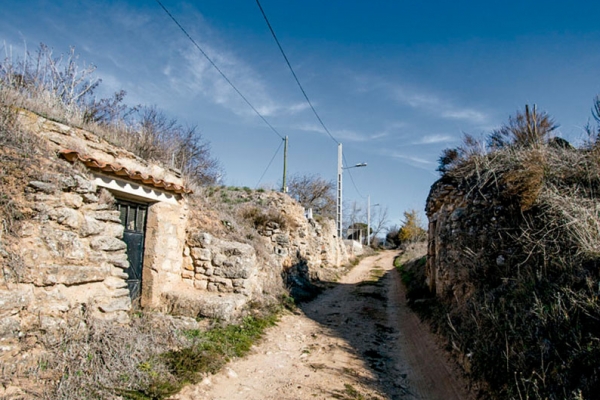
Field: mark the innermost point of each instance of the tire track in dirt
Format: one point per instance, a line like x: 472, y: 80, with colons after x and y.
x: 357, y: 340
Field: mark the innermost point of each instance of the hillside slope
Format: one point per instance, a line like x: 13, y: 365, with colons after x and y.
x: 513, y: 256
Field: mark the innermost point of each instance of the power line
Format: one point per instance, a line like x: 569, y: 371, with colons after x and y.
x: 287, y: 61
x: 352, y: 178
x: 218, y: 69
x: 293, y: 73
x: 270, y: 162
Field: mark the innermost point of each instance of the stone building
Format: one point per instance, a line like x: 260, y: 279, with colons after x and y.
x: 104, y: 230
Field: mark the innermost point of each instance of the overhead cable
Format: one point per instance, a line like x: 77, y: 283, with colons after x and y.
x: 287, y: 61
x: 352, y: 178
x: 268, y: 166
x: 219, y: 70
x: 293, y: 73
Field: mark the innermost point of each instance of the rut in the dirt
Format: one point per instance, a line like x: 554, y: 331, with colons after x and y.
x: 355, y: 341
x: 366, y: 327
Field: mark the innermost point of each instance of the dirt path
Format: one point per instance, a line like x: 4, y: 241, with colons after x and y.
x: 358, y: 340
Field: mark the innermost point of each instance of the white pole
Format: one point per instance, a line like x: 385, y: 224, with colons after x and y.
x: 368, y: 219
x: 284, y: 184
x: 339, y: 192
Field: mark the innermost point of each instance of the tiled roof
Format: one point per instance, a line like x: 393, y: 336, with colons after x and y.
x: 119, y: 170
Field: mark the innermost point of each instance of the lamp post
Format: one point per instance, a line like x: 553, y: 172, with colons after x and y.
x: 340, y: 170
x: 369, y: 219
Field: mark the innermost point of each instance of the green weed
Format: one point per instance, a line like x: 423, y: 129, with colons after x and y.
x: 211, y: 350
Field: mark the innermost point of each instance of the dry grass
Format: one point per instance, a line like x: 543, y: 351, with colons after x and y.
x: 61, y: 88
x: 88, y: 358
x: 153, y: 357
x: 17, y: 148
x: 530, y: 326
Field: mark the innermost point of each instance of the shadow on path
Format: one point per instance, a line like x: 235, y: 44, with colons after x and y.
x: 358, y: 313
x: 372, y: 317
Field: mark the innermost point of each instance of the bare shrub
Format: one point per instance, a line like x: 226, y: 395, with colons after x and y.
x: 525, y: 129
x: 470, y: 150
x: 57, y: 86
x: 594, y: 131
x: 527, y: 322
x: 12, y: 136
x: 263, y: 219
x: 96, y: 359
x: 152, y: 357
x: 312, y: 191
x: 62, y: 88
x: 158, y: 138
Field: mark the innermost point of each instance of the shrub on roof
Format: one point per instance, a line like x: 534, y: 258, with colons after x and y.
x: 63, y: 88
x: 531, y: 327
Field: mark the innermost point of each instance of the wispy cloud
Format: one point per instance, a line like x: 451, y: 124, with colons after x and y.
x: 466, y: 114
x: 412, y: 160
x: 197, y: 76
x: 421, y: 99
x: 434, y: 139
x: 443, y: 107
x: 128, y: 19
x: 342, y: 134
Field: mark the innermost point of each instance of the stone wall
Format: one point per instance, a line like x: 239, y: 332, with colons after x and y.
x: 217, y: 265
x: 513, y: 263
x: 220, y: 276
x: 67, y: 255
x: 468, y: 231
x: 73, y: 254
x: 164, y: 251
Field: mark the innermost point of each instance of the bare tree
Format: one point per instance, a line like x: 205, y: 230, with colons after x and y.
x: 355, y: 218
x: 379, y: 220
x: 594, y: 131
x: 192, y: 156
x: 312, y: 191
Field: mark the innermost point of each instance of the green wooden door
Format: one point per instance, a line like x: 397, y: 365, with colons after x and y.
x: 133, y: 218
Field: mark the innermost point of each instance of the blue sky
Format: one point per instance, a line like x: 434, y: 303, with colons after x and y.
x: 395, y: 82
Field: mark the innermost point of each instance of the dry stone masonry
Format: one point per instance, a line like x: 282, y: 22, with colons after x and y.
x: 472, y: 231
x: 221, y: 276
x: 70, y: 253
x: 217, y: 265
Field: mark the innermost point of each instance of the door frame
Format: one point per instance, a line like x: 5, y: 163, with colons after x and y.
x: 134, y: 216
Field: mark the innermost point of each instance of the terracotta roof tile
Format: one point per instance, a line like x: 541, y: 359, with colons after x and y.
x: 119, y: 170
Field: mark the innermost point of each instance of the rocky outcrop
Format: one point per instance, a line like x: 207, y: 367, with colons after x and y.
x: 466, y: 228
x: 221, y: 276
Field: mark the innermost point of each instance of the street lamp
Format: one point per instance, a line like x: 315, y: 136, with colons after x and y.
x: 341, y: 169
x: 369, y: 219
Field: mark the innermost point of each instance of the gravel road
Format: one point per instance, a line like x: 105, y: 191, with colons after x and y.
x: 357, y: 340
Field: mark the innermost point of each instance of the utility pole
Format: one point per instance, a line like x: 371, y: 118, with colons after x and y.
x: 340, y: 170
x: 368, y: 219
x: 339, y: 192
x: 284, y: 185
